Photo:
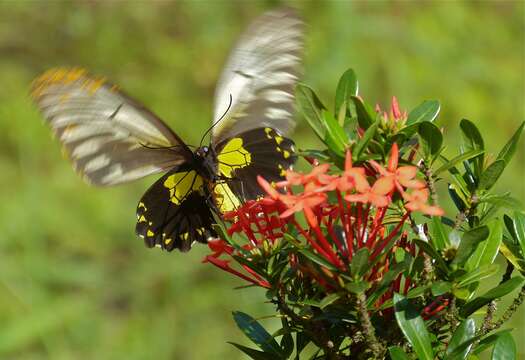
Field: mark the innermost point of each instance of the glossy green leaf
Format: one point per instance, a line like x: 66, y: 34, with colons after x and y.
x: 504, y: 201
x: 365, y: 114
x: 396, y: 353
x: 428, y: 110
x: 256, y: 333
x: 318, y: 259
x: 495, y: 293
x: 426, y: 247
x: 362, y: 144
x: 516, y: 228
x: 491, y: 174
x: 477, y: 274
x: 328, y: 300
x: 488, y: 341
x: 464, y: 332
x: 440, y: 288
x: 252, y: 353
x: 487, y: 249
x: 357, y: 287
x: 347, y: 87
x: 473, y: 141
x: 504, y: 348
x: 311, y: 108
x: 469, y: 242
x: 510, y: 147
x: 438, y: 236
x: 359, y: 264
x: 448, y: 164
x: 431, y: 138
x: 413, y: 327
x: 335, y: 136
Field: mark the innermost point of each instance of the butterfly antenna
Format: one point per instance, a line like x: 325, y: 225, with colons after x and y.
x: 216, y: 122
x: 164, y: 147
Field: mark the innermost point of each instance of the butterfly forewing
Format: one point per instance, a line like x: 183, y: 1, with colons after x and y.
x: 174, y: 212
x: 109, y: 137
x: 260, y: 76
x: 241, y: 159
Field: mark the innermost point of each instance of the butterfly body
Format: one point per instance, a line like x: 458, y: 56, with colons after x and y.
x: 112, y: 138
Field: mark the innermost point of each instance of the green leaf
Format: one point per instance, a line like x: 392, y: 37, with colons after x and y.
x: 504, y: 348
x: 487, y: 249
x: 317, y: 259
x: 396, y: 353
x: 477, y: 274
x: 287, y: 339
x: 431, y: 138
x: 491, y: 174
x: 359, y: 263
x: 252, y: 353
x: 426, y: 247
x: 488, y: 341
x: 495, y: 293
x: 510, y: 147
x: 357, y: 287
x: 365, y: 115
x: 335, y: 136
x: 311, y: 108
x: 328, y: 300
x: 457, y: 160
x: 256, y: 333
x: 438, y: 238
x: 428, y: 110
x: 413, y: 327
x: 347, y: 87
x: 464, y: 332
x: 363, y: 142
x: 469, y: 242
x: 516, y: 228
x: 474, y: 141
x: 502, y: 201
x: 441, y: 287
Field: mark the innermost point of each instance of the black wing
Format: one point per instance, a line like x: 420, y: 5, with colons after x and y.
x: 107, y: 135
x: 174, y: 212
x: 242, y: 158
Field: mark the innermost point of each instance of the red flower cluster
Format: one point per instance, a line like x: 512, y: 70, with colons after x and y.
x: 343, y: 213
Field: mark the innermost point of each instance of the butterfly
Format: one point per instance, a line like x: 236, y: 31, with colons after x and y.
x: 111, y: 138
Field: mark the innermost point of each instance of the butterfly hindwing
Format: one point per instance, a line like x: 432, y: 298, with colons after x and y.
x: 174, y: 212
x: 109, y: 137
x: 241, y: 159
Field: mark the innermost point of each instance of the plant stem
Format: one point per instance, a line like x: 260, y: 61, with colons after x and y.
x: 368, y: 329
x: 510, y: 310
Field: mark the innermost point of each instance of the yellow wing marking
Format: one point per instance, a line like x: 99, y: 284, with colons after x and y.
x: 233, y: 156
x: 182, y: 184
x: 64, y: 76
x: 225, y: 198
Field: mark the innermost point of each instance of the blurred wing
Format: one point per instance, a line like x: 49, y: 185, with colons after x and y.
x: 174, y: 212
x: 260, y: 75
x: 109, y: 137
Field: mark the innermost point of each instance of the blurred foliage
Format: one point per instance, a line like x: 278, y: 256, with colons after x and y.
x: 75, y: 282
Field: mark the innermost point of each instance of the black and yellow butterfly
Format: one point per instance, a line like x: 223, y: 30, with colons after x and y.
x: 111, y: 138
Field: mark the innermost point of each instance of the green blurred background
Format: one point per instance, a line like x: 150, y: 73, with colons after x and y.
x: 75, y: 282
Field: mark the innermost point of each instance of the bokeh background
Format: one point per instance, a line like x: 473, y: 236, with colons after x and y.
x: 75, y: 282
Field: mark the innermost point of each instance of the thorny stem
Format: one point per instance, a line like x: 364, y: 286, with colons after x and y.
x: 452, y: 315
x: 368, y: 329
x: 510, y: 310
x: 429, y: 179
x: 487, y: 325
x: 467, y: 213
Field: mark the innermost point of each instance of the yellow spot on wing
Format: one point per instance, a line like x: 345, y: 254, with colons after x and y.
x: 279, y: 139
x: 233, y: 156
x: 142, y: 218
x: 182, y: 184
x: 286, y: 154
x: 150, y: 233
x: 167, y: 241
x: 141, y: 204
x: 225, y: 198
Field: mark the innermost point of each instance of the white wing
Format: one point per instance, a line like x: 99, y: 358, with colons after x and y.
x: 260, y: 75
x: 109, y: 137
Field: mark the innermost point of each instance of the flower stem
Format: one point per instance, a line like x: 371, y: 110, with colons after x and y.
x: 367, y: 327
